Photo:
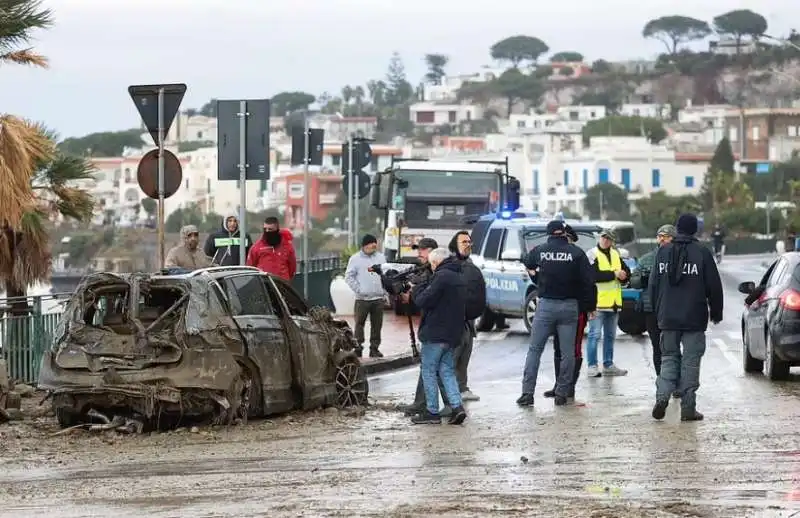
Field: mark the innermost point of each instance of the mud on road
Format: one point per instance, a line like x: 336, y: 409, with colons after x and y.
x: 373, y: 463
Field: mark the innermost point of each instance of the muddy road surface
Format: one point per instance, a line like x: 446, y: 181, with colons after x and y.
x: 602, y: 457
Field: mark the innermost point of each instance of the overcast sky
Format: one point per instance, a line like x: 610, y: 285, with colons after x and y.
x: 256, y: 48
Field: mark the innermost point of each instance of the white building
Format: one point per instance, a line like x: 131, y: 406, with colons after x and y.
x: 432, y: 114
x: 447, y: 90
x: 654, y: 111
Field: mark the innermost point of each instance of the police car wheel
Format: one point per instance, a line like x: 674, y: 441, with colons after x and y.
x: 530, y: 310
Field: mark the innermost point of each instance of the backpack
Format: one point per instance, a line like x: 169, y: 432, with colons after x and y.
x: 475, y: 290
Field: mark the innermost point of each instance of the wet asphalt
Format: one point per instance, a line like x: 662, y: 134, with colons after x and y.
x: 602, y: 456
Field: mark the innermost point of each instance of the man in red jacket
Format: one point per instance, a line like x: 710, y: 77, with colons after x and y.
x: 274, y: 252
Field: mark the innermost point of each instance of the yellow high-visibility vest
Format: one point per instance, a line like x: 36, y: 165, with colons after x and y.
x: 609, y: 294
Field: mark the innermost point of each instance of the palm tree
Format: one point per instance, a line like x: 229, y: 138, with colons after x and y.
x: 347, y: 94
x: 20, y: 18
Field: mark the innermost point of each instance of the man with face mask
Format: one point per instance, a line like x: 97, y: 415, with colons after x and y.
x: 187, y: 255
x: 223, y: 245
x: 274, y: 252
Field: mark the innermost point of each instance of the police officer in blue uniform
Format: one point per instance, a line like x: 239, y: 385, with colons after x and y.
x: 564, y: 278
x: 685, y: 290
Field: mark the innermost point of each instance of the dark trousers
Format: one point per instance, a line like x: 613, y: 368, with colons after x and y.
x: 374, y: 310
x: 461, y: 356
x: 582, y: 319
x: 651, y: 322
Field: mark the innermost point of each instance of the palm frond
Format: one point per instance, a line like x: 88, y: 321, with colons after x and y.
x: 24, y: 57
x: 19, y: 18
x: 22, y: 146
x: 32, y: 258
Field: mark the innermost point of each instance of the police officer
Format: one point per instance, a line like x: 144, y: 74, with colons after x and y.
x: 564, y: 278
x: 685, y: 290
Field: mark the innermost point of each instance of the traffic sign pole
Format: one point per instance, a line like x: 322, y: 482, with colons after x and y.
x: 350, y: 225
x: 356, y: 203
x: 306, y: 204
x: 242, y: 181
x: 161, y: 175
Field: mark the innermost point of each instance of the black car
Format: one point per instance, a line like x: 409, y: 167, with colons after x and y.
x: 771, y: 319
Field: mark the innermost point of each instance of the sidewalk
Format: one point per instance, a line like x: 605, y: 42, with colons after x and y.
x: 395, y: 343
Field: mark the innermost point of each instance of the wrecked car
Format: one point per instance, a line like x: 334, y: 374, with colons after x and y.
x: 224, y: 343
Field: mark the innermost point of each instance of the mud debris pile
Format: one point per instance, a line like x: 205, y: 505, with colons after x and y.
x: 11, y: 394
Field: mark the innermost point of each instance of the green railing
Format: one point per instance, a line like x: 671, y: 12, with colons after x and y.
x: 27, y: 324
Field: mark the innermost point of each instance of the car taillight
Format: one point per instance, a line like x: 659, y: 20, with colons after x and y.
x: 790, y: 299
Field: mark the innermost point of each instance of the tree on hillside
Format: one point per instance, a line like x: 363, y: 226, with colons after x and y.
x: 614, y: 201
x: 435, y: 64
x: 103, y: 144
x: 723, y: 159
x: 601, y: 66
x: 568, y: 56
x: 659, y: 208
x: 676, y: 30
x: 377, y: 92
x: 610, y: 98
x: 284, y: 103
x: 347, y: 94
x: 516, y: 86
x: 566, y: 71
x: 398, y: 88
x: 739, y: 24
x: 625, y: 126
x: 518, y: 49
x: 209, y: 109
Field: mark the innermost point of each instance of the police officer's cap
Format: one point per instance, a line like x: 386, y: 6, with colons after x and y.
x: 426, y: 243
x: 667, y: 230
x: 555, y: 228
x: 609, y: 234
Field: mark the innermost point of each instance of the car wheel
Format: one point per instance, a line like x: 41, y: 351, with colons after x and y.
x: 749, y: 364
x: 352, y: 387
x: 530, y: 310
x: 67, y: 417
x: 486, y: 321
x: 774, y: 368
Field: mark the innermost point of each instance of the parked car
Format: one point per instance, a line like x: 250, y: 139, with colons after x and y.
x: 771, y: 319
x: 223, y: 342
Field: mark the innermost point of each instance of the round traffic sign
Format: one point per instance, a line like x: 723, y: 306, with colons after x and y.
x: 147, y: 174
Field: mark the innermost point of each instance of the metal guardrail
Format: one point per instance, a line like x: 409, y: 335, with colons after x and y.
x: 27, y: 324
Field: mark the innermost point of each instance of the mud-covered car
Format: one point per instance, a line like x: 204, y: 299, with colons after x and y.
x: 223, y: 343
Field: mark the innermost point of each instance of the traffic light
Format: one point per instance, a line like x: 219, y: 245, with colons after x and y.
x: 362, y: 180
x: 362, y: 155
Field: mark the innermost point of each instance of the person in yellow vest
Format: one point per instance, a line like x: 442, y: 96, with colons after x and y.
x: 610, y: 271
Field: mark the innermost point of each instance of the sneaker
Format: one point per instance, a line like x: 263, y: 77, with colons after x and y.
x: 550, y: 393
x: 412, y: 409
x: 560, y: 400
x: 696, y: 416
x: 613, y: 370
x: 660, y: 409
x: 375, y: 353
x: 459, y: 414
x: 525, y: 400
x: 593, y: 372
x: 446, y: 411
x: 467, y: 395
x: 426, y: 418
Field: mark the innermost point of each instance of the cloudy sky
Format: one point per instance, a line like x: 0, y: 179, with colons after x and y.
x: 256, y: 48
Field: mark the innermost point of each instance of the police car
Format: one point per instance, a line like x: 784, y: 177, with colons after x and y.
x: 499, y: 242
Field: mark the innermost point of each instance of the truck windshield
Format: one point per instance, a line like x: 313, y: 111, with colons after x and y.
x: 434, y: 199
x: 534, y: 238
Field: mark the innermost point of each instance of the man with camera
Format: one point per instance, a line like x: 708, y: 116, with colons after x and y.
x: 441, y: 300
x: 368, y: 287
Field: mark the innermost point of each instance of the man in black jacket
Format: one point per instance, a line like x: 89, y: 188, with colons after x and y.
x: 564, y: 278
x: 223, y: 245
x: 440, y: 331
x: 686, y: 290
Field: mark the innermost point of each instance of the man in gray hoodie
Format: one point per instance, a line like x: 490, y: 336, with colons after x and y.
x: 369, y: 294
x: 223, y: 245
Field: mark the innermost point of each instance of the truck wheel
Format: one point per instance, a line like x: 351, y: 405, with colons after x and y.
x: 530, y: 309
x: 486, y: 321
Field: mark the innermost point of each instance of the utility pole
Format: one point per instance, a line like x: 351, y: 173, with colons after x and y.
x: 769, y: 213
x: 242, y: 182
x: 601, y: 203
x: 306, y: 205
x: 350, y: 224
x: 161, y: 193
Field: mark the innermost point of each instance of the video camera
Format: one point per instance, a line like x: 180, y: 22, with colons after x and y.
x: 394, y: 282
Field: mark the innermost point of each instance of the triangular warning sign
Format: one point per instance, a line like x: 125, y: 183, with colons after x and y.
x: 145, y: 97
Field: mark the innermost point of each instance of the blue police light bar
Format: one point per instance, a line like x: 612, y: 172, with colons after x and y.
x: 559, y: 216
x: 506, y: 214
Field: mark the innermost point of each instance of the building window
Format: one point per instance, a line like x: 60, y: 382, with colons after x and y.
x: 733, y: 134
x: 521, y: 124
x: 451, y: 116
x: 602, y: 176
x: 585, y: 179
x: 566, y: 177
x: 573, y: 116
x: 336, y: 160
x: 690, y: 182
x: 373, y: 163
x: 199, y: 135
x: 656, y: 178
x: 535, y: 181
x: 425, y: 117
x: 792, y: 131
x: 469, y: 115
x: 756, y: 132
x: 592, y: 115
x: 626, y: 179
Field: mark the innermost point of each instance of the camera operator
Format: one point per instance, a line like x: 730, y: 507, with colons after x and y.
x: 441, y: 300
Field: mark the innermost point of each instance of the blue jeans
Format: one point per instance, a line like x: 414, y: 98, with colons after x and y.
x: 605, y: 322
x: 552, y: 317
x: 437, y: 360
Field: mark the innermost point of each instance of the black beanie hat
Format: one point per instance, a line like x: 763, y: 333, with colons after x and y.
x: 687, y: 224
x: 368, y: 239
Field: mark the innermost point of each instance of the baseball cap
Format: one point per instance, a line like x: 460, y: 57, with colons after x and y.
x: 555, y: 227
x: 426, y: 243
x: 667, y: 230
x: 609, y: 234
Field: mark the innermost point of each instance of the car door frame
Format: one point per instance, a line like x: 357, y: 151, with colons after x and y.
x: 514, y: 272
x: 314, y: 361
x: 263, y: 335
x: 490, y: 267
x: 758, y: 311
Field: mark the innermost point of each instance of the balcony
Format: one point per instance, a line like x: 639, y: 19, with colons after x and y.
x: 327, y: 199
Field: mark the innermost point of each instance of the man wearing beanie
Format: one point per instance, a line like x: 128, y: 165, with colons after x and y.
x: 685, y: 290
x: 369, y: 294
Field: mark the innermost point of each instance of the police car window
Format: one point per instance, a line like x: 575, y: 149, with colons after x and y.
x: 492, y: 248
x: 247, y: 295
x: 511, y: 241
x: 534, y: 238
x: 478, y: 234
